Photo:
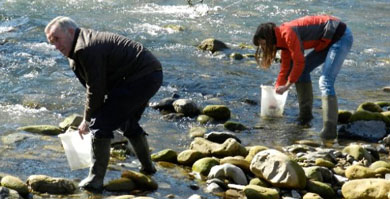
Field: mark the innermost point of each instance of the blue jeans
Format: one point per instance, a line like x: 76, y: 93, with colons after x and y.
x: 332, y: 59
x: 124, y: 106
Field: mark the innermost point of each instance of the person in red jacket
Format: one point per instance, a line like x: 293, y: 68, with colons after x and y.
x: 331, y: 41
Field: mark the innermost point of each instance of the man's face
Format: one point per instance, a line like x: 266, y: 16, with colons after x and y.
x: 61, y: 39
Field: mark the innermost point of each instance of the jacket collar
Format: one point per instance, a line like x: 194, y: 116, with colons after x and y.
x: 76, y: 35
x: 280, y: 43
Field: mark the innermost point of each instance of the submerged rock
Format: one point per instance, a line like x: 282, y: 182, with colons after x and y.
x: 47, y: 184
x: 42, y: 129
x: 120, y: 185
x: 141, y: 181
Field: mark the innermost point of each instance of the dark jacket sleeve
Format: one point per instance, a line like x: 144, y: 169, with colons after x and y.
x: 95, y: 80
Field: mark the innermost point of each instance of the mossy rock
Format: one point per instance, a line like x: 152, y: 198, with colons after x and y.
x: 367, y: 115
x: 212, y: 45
x: 120, y: 185
x: 42, y: 129
x: 204, y: 119
x: 256, y: 192
x: 218, y: 112
x: 167, y: 155
x: 234, y: 126
x: 323, y: 189
x: 369, y: 106
x: 386, y: 114
x: 141, y: 180
x: 204, y: 165
x: 382, y: 103
x: 344, y: 116
x: 71, y: 121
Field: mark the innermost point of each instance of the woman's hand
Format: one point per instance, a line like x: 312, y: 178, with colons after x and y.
x: 281, y: 89
x: 83, y: 128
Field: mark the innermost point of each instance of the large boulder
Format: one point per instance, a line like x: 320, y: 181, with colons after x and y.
x: 47, y: 184
x: 278, y: 169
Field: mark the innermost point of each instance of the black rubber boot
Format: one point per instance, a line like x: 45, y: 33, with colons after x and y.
x: 100, y: 158
x: 329, y: 117
x: 305, y: 101
x: 141, y: 149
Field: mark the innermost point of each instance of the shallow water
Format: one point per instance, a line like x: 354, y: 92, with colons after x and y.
x: 38, y: 87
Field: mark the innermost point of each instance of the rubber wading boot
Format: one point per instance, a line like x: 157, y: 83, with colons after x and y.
x: 141, y: 149
x: 100, y: 158
x: 305, y: 101
x: 329, y: 117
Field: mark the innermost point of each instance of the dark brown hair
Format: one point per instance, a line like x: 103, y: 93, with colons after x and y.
x: 267, y: 52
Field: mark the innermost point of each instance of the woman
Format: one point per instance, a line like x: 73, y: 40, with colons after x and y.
x: 331, y: 40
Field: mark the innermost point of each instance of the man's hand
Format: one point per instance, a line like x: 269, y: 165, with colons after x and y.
x: 83, y: 128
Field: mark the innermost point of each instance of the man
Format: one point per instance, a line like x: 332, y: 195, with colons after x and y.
x: 120, y: 76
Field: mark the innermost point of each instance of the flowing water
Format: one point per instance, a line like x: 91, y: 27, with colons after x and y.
x: 38, y: 87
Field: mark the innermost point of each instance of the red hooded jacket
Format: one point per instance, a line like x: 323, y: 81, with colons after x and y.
x: 308, y: 32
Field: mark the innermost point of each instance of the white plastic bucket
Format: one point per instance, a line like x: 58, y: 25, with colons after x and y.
x: 272, y: 104
x: 77, y: 150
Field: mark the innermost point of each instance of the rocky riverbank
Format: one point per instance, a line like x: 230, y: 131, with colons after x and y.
x: 226, y: 168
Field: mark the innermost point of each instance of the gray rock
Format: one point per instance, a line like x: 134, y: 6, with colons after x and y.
x: 186, y: 107
x: 220, y: 137
x: 228, y: 171
x: 165, y: 104
x: 371, y: 130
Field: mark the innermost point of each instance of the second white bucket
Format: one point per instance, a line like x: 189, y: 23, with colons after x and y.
x: 272, y: 104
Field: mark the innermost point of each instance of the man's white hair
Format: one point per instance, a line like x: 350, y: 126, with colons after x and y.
x: 62, y: 22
